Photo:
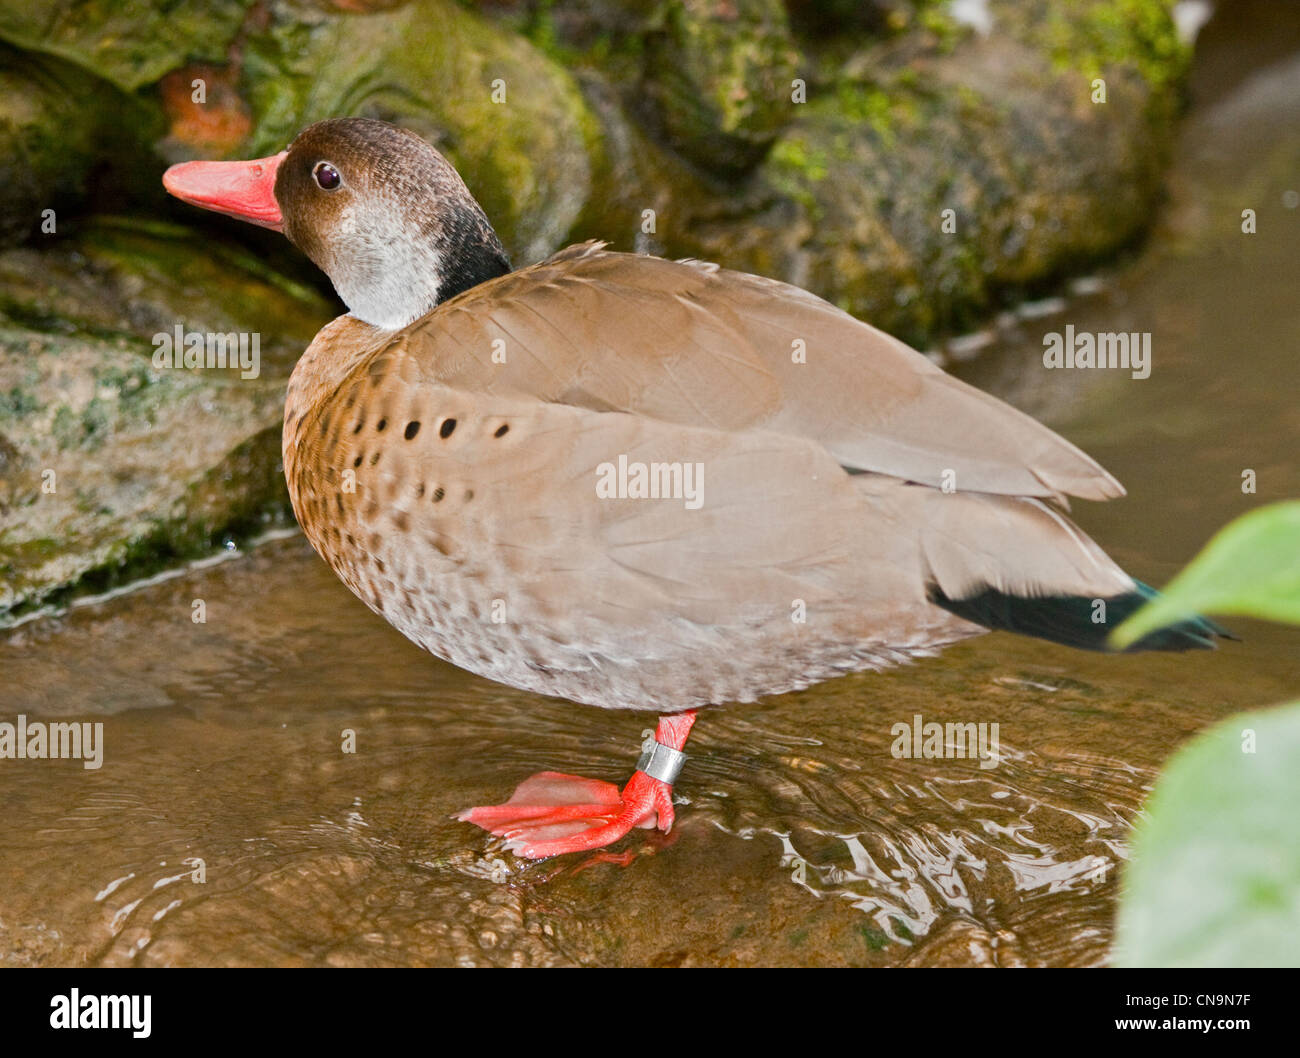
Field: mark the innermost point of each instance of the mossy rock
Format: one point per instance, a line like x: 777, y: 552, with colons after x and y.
x: 1037, y: 181
x: 821, y: 18
x: 131, y: 44
x: 123, y: 277
x: 513, y: 122
x: 54, y: 137
x: 110, y: 466
x: 272, y: 69
x: 1001, y: 130
x: 710, y: 79
x: 716, y: 79
x: 107, y: 459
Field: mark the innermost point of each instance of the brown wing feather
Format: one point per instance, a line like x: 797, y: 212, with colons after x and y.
x: 694, y: 344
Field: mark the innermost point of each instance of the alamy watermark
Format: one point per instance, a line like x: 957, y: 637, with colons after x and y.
x: 56, y: 741
x: 198, y: 350
x: 934, y: 741
x: 1106, y: 349
x: 93, y: 1011
x: 631, y: 480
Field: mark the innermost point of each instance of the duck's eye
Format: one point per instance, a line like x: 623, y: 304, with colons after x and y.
x: 326, y: 176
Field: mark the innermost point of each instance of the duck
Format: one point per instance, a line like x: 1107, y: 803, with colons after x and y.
x: 638, y: 483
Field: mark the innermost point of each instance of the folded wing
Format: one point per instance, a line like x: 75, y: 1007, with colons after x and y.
x: 694, y: 344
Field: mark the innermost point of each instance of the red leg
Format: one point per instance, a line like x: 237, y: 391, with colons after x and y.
x: 551, y: 813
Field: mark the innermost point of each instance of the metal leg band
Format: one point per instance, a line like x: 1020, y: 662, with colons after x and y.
x: 662, y: 762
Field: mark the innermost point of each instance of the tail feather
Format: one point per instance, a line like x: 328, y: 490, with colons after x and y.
x: 1077, y: 621
x: 1019, y: 564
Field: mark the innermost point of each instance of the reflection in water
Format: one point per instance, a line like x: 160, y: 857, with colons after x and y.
x: 228, y: 825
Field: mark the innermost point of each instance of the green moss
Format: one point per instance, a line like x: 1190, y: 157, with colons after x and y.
x: 66, y: 428
x: 792, y: 166
x: 86, y: 428
x: 171, y: 246
x: 714, y: 81
x: 1116, y: 33
x: 541, y: 31
x: 120, y: 281
x: 209, y: 520
x: 62, y: 133
x: 946, y: 31
x: 137, y: 492
x: 794, y: 155
x: 18, y: 401
x: 96, y: 419
x: 128, y: 380
x: 873, y: 107
x: 600, y: 50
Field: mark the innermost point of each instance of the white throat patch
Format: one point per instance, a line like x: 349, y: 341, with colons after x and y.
x: 392, y: 275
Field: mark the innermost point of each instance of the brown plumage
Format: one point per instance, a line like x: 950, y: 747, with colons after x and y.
x: 611, y: 601
x: 857, y: 506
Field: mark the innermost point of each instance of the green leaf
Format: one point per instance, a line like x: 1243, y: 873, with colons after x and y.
x: 1251, y: 567
x: 1214, y: 878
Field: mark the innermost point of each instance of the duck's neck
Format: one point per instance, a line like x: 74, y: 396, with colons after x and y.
x: 404, y: 271
x: 471, y: 253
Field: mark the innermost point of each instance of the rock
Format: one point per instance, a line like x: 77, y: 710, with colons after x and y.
x: 513, y: 122
x: 821, y: 18
x: 128, y: 45
x: 709, y: 79
x: 647, y: 197
x: 205, y: 112
x: 135, y: 278
x: 53, y: 122
x: 715, y: 80
x: 1004, y: 132
x: 110, y: 466
x: 1001, y: 130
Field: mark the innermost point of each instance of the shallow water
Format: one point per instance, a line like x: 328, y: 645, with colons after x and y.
x: 801, y: 839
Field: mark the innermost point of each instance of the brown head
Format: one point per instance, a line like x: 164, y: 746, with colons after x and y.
x: 380, y: 211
